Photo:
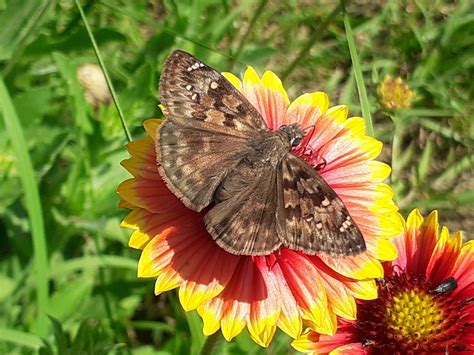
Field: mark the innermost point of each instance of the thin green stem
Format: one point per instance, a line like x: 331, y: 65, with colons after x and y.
x: 318, y: 32
x: 396, y: 149
x: 210, y: 343
x: 32, y: 202
x: 151, y: 22
x: 364, y: 101
x: 104, y: 69
x: 244, y: 38
x: 103, y: 291
x: 77, y: 17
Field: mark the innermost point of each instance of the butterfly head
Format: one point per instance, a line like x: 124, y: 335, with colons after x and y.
x: 294, y: 133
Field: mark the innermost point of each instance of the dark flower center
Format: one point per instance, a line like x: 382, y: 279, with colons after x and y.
x: 409, y: 317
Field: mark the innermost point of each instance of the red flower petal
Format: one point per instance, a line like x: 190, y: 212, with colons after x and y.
x: 306, y: 286
x: 444, y: 256
x: 463, y: 272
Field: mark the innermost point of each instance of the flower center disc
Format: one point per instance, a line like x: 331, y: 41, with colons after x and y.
x: 414, y: 315
x: 410, y: 317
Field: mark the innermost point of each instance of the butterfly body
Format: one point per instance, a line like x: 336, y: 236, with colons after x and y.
x: 216, y: 152
x: 271, y: 147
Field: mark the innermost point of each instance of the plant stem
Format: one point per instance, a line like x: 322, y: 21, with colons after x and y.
x: 243, y: 40
x: 210, y: 343
x: 396, y: 149
x: 104, y: 70
x: 317, y: 34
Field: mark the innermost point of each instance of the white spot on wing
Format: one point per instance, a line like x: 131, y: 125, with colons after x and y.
x: 195, y: 66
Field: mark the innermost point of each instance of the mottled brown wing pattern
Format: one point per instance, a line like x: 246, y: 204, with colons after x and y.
x: 214, y: 149
x: 244, y: 222
x: 311, y: 217
x: 207, y: 129
x: 196, y: 95
x: 194, y: 162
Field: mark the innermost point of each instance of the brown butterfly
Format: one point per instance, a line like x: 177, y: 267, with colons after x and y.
x: 215, y: 150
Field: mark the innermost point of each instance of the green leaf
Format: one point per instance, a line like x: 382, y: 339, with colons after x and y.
x: 89, y: 339
x: 67, y: 68
x: 156, y: 326
x: 8, y: 285
x: 76, y: 41
x: 195, y: 327
x: 32, y: 202
x: 21, y: 338
x: 257, y: 54
x: 19, y: 20
x: 93, y: 262
x: 33, y: 104
x: 59, y: 335
x: 70, y: 298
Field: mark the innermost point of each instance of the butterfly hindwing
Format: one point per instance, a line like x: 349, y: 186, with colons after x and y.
x: 196, y: 95
x: 311, y: 216
x: 243, y: 221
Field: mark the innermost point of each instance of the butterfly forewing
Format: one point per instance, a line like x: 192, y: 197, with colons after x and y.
x: 194, y: 162
x: 311, y: 217
x: 207, y: 129
x: 196, y: 95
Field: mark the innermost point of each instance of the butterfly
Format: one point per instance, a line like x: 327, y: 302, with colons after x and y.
x: 216, y: 153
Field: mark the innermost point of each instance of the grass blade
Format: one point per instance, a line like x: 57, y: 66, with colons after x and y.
x: 244, y: 38
x: 20, y: 22
x: 104, y: 70
x: 21, y: 338
x: 32, y: 201
x: 364, y: 102
x: 465, y: 164
x: 318, y: 32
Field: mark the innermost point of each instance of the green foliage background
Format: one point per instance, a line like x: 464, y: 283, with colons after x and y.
x: 56, y: 146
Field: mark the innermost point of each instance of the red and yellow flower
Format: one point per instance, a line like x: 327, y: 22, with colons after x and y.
x: 287, y: 287
x: 425, y: 304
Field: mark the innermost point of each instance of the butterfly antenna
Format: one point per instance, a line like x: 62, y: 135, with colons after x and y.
x: 306, y: 152
x: 322, y: 165
x: 306, y: 129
